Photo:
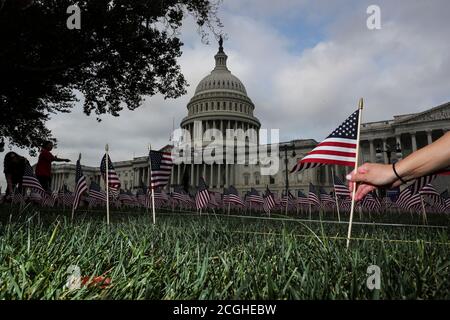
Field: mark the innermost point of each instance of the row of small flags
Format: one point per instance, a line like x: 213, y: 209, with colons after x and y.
x: 317, y: 198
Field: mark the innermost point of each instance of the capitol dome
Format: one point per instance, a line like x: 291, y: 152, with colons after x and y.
x: 220, y: 101
x: 220, y: 79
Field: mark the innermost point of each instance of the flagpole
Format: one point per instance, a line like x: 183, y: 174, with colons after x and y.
x: 73, y: 206
x: 64, y: 194
x: 107, y: 182
x: 335, y: 196
x: 287, y: 202
x: 151, y: 185
x: 423, y: 210
x: 360, y: 107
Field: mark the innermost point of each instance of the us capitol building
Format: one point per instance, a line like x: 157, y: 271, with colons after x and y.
x: 221, y: 102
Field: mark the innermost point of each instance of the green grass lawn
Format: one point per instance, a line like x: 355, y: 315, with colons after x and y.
x: 187, y: 256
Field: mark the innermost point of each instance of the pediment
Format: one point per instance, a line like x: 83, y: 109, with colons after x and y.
x: 441, y: 112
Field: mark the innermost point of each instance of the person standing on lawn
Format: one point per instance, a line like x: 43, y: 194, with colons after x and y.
x: 14, y: 167
x: 44, y: 165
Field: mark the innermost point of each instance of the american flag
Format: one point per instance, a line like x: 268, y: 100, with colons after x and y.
x: 393, y: 194
x: 68, y: 198
x: 289, y: 200
x: 345, y: 204
x: 133, y: 199
x: 302, y: 198
x: 429, y: 190
x: 325, y: 198
x: 80, y: 185
x: 213, y: 203
x: 371, y: 202
x: 95, y: 192
x: 161, y: 165
x: 124, y: 197
x: 35, y: 196
x: 113, y: 179
x: 254, y: 196
x: 141, y: 196
x: 437, y: 201
x: 338, y: 148
x: 446, y: 200
x: 312, y: 195
x: 269, y: 201
x: 406, y: 199
x: 18, y: 197
x: 421, y: 182
x: 179, y: 194
x: 340, y: 188
x: 202, y: 196
x: 50, y: 199
x: 29, y: 179
x: 231, y: 195
x: 161, y: 198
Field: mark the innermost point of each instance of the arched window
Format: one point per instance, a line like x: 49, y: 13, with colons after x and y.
x: 246, y: 179
x: 257, y: 178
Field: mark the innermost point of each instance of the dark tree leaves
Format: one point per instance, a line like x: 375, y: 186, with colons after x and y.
x: 124, y: 50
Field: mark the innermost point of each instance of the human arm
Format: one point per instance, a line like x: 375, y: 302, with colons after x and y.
x: 51, y: 158
x: 433, y: 157
x: 56, y: 159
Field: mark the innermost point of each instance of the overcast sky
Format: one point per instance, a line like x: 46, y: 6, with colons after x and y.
x: 304, y: 64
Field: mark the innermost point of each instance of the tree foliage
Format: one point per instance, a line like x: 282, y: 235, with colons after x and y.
x: 124, y: 50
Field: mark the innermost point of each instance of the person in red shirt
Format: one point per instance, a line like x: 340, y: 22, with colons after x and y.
x: 44, y: 165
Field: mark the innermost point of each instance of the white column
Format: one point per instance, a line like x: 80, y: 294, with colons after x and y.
x: 372, y: 151
x: 384, y: 153
x: 197, y: 174
x: 178, y: 173
x: 399, y: 143
x: 413, y: 141
x: 192, y: 174
x: 429, y: 137
x: 211, y: 177
x: 226, y: 175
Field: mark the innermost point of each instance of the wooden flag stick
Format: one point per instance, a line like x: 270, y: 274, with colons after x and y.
x: 425, y: 221
x: 361, y: 105
x: 287, y: 202
x: 335, y: 196
x: 151, y: 185
x: 107, y: 183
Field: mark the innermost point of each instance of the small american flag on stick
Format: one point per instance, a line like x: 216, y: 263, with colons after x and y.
x: 29, y: 179
x: 80, y: 184
x: 113, y: 179
x: 202, y: 196
x: 161, y: 164
x: 338, y: 148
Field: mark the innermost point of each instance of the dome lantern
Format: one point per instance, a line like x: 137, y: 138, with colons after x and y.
x: 221, y: 57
